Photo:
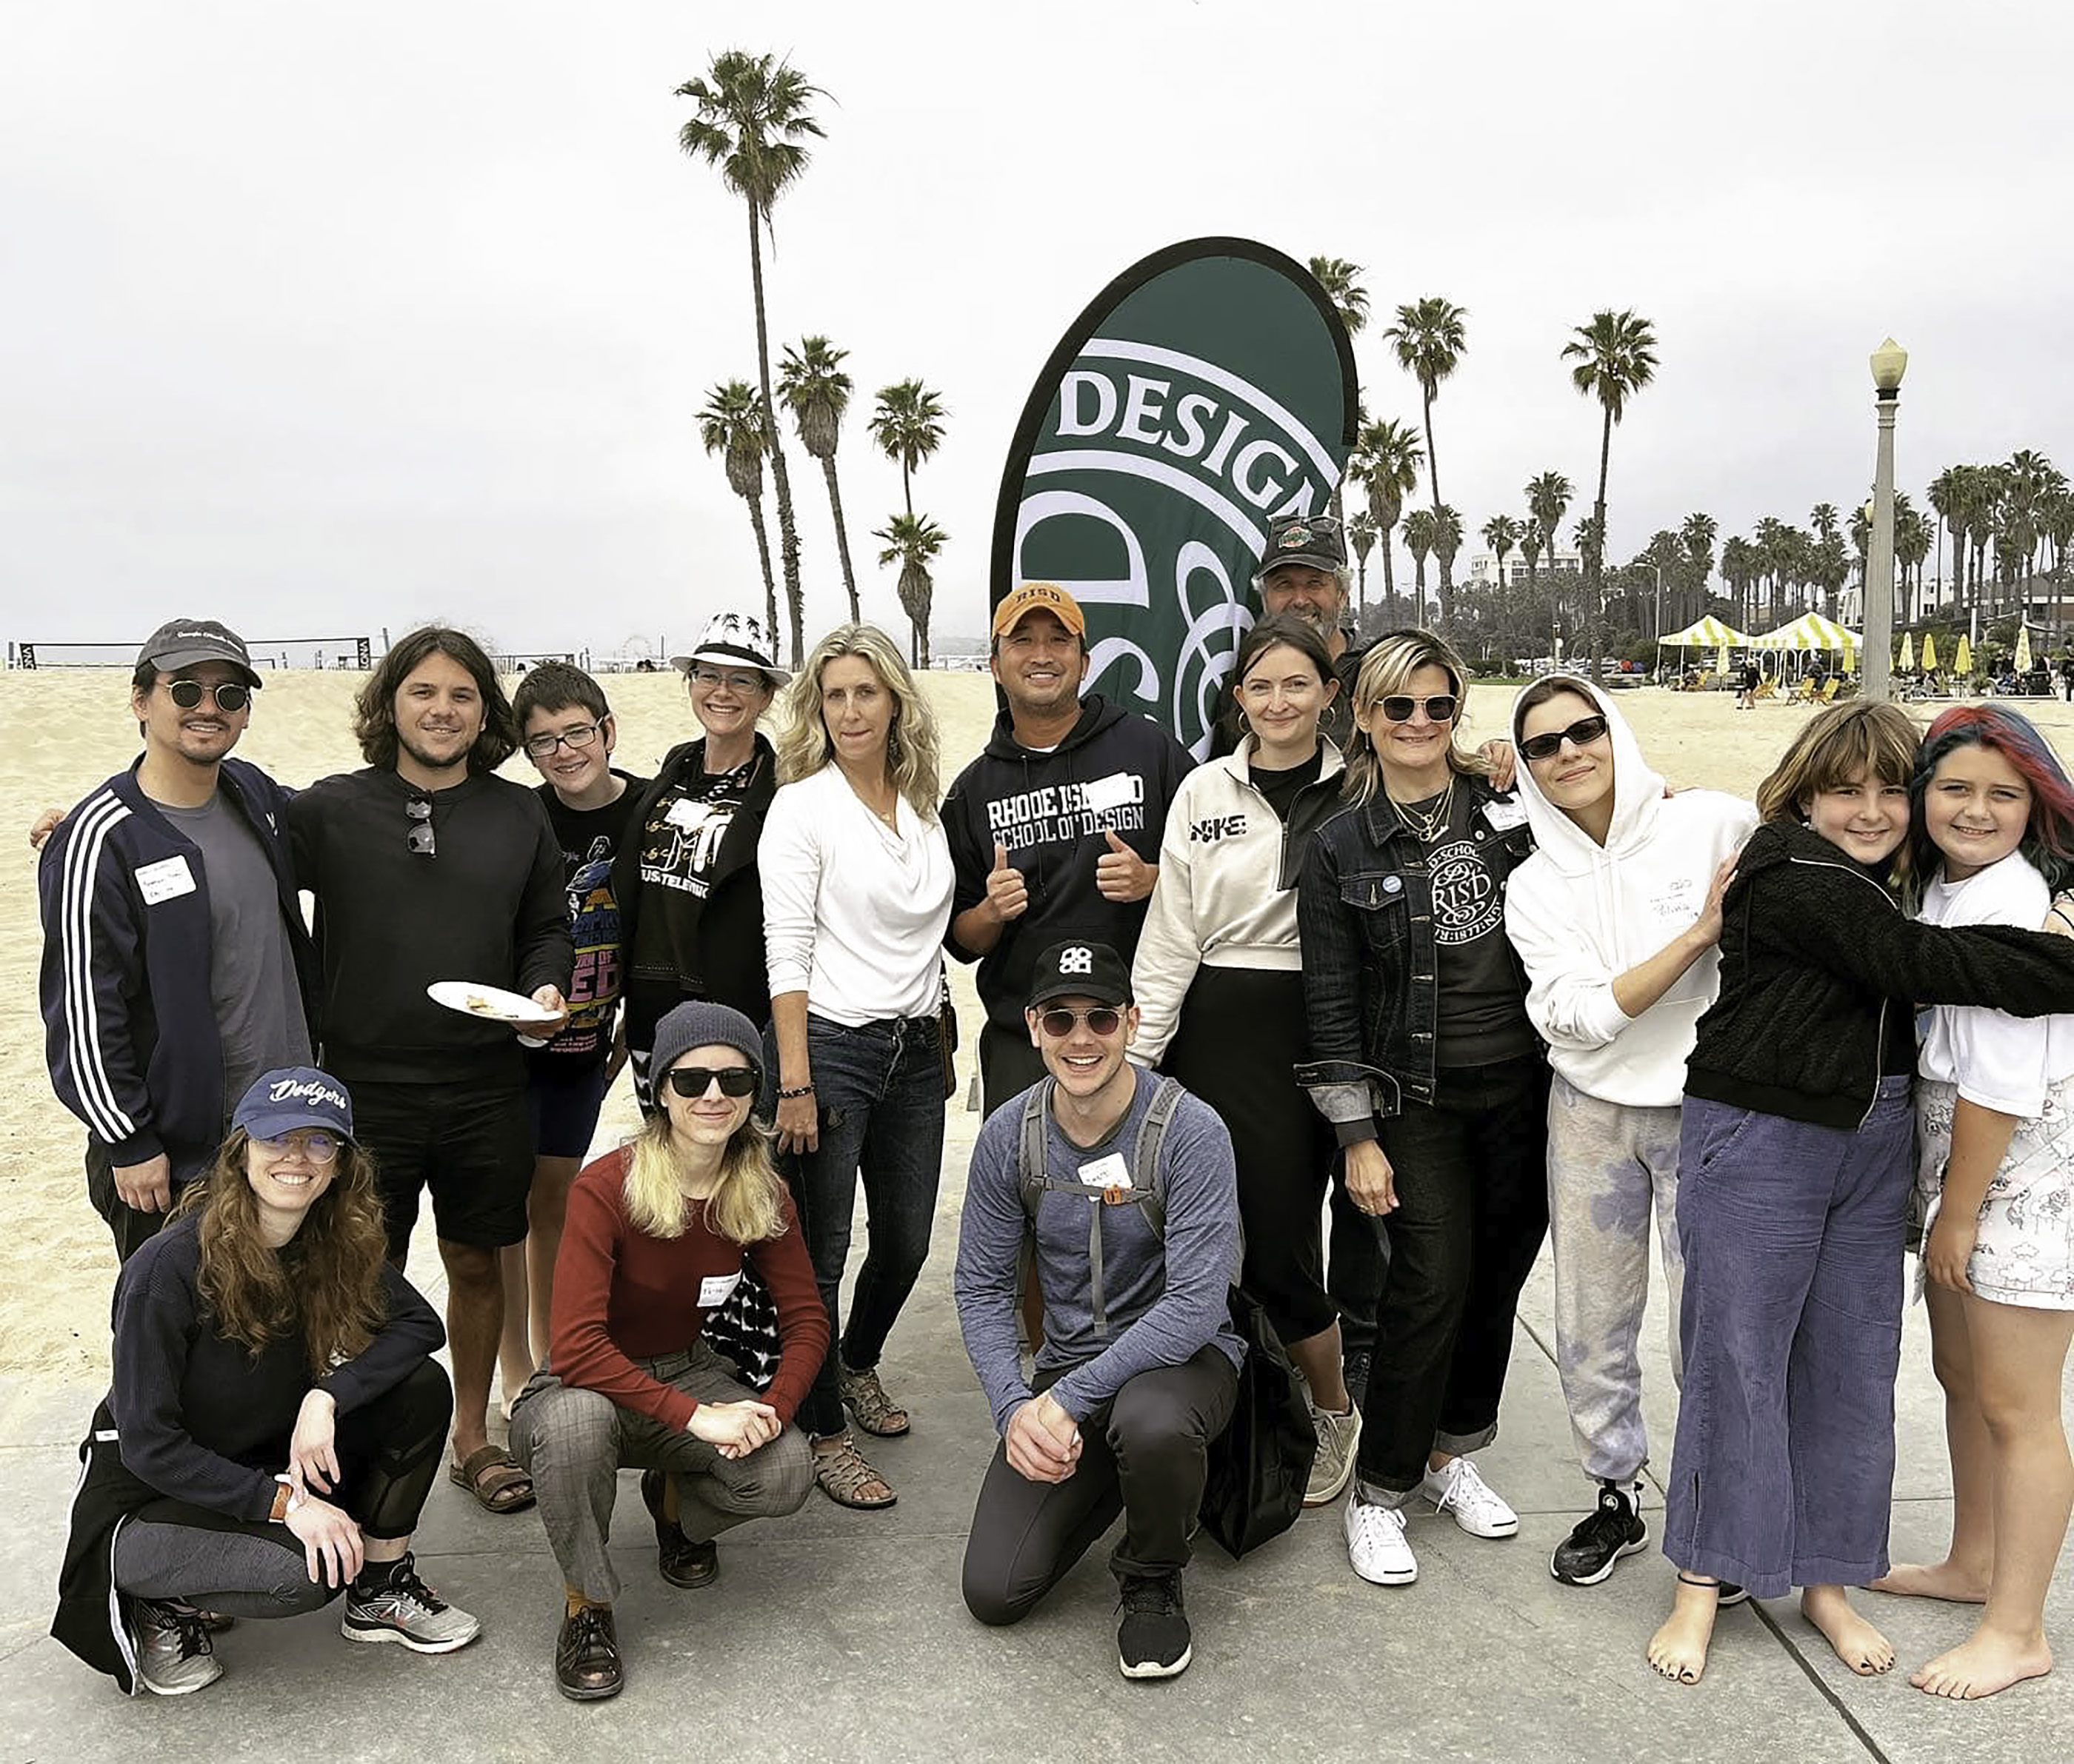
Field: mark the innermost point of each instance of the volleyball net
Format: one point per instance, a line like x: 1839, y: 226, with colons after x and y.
x: 350, y: 653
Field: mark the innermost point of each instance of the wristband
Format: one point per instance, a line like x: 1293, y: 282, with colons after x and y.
x: 796, y: 1091
x: 295, y: 1498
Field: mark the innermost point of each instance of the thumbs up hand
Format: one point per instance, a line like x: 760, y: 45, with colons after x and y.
x: 1006, y: 891
x: 1120, y: 875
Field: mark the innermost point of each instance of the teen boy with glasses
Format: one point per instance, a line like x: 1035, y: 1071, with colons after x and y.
x: 175, y: 965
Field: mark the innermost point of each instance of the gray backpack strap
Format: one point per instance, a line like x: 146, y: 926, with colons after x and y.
x: 1145, y: 1174
x: 1030, y: 1171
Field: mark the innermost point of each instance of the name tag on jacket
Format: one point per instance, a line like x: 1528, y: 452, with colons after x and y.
x: 165, y: 880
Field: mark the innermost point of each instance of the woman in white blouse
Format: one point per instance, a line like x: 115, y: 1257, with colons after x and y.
x: 856, y: 893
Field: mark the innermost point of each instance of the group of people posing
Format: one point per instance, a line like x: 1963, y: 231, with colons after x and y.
x: 1345, y: 968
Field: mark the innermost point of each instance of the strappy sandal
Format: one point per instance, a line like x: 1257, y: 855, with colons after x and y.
x: 843, y: 1473
x: 490, y: 1474
x: 869, y: 1406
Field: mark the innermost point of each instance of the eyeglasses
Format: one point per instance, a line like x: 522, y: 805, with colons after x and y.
x: 734, y: 683
x: 1059, y: 1022
x: 230, y: 697
x: 419, y: 836
x: 1400, y: 707
x: 575, y: 739
x: 314, y: 1143
x: 694, y: 1081
x: 1580, y: 733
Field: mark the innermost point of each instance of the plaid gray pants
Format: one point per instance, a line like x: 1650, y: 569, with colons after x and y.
x: 573, y: 1442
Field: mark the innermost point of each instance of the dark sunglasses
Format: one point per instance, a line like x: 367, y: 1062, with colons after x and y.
x: 1058, y: 1022
x: 1399, y: 706
x: 693, y: 1080
x: 230, y: 697
x: 1580, y: 733
x: 419, y: 837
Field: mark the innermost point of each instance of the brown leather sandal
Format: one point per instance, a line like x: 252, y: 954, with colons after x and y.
x: 843, y: 1473
x: 490, y: 1474
x: 869, y: 1406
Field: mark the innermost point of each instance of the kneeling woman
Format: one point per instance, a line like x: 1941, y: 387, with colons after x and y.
x: 656, y: 1237
x: 276, y: 1419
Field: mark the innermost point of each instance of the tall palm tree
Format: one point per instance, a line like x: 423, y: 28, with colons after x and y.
x: 1612, y: 357
x: 1697, y: 534
x: 732, y: 425
x: 1911, y: 545
x: 1737, y: 570
x: 1428, y: 339
x: 1948, y: 496
x: 1341, y: 281
x: 813, y: 386
x: 1547, y: 502
x: 908, y: 426
x: 912, y: 541
x: 1447, y: 541
x: 1418, y: 541
x: 1360, y: 534
x: 1501, y: 534
x: 1393, y: 454
x: 752, y: 122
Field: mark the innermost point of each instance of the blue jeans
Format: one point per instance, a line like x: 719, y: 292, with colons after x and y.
x: 879, y: 1091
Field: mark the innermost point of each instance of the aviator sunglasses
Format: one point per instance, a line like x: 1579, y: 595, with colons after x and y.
x: 1058, y: 1022
x: 230, y: 697
x: 693, y: 1080
x: 1580, y: 733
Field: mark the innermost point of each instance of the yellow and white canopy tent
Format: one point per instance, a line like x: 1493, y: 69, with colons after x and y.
x: 1708, y: 633
x: 1812, y: 635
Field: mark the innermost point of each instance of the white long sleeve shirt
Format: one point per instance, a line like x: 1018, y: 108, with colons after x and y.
x: 853, y: 912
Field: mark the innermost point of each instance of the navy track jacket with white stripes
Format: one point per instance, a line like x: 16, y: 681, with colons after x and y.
x: 128, y: 1026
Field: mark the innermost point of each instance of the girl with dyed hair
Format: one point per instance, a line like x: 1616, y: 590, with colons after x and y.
x: 1994, y: 1109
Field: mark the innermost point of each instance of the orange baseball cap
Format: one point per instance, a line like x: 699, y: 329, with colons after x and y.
x: 1031, y: 597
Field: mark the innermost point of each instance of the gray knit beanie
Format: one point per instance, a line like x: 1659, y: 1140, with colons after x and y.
x: 697, y: 1023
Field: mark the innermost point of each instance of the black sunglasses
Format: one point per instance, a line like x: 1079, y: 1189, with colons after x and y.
x: 229, y: 696
x: 1580, y: 733
x: 1399, y: 706
x: 419, y: 836
x: 1058, y: 1022
x: 693, y: 1080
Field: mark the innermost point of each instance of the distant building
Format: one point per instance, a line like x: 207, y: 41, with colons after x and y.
x: 1483, y: 567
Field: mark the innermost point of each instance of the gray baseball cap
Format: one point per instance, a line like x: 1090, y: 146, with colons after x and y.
x: 182, y: 642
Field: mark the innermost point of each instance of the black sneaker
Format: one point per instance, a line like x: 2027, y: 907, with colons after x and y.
x: 1152, y: 1641
x: 1602, y: 1538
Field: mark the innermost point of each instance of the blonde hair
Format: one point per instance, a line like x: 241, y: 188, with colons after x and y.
x: 1386, y: 670
x: 1843, y: 742
x: 744, y: 1205
x: 803, y: 745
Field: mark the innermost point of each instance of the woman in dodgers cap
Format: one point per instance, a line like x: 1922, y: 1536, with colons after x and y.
x: 276, y: 1419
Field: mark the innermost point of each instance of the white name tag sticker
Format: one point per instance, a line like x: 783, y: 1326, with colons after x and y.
x: 1103, y: 794
x: 1504, y: 817
x: 165, y: 880
x: 714, y: 1289
x: 1110, y: 1172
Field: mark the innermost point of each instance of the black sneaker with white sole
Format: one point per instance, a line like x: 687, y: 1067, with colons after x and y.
x: 1614, y: 1528
x: 1153, y: 1640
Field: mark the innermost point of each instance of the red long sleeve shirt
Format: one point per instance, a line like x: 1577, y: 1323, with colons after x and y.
x: 620, y: 1295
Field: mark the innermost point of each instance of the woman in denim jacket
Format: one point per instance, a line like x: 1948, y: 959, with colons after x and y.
x: 1435, y: 1083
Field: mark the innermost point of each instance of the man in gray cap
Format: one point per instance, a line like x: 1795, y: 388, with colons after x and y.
x: 175, y: 965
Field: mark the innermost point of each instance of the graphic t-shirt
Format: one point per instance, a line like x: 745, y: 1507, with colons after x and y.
x: 588, y: 838
x: 680, y: 845
x: 1482, y: 1004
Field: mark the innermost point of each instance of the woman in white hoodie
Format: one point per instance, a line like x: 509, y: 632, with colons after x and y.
x: 1220, y: 990
x: 1615, y: 917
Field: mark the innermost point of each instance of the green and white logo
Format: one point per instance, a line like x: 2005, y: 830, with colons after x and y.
x: 1208, y: 390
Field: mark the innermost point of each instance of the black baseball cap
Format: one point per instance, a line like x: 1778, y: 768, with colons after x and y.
x: 1078, y: 969
x: 183, y: 642
x: 1316, y: 540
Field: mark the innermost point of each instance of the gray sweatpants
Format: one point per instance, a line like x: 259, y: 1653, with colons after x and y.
x: 573, y: 1442
x: 1607, y: 1165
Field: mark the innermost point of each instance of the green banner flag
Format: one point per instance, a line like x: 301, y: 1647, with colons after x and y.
x: 1207, y: 389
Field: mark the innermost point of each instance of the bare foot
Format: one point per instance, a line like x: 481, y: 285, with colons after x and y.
x: 1983, y: 1664
x: 1946, y: 1580
x: 1858, y: 1645
x: 1679, y: 1650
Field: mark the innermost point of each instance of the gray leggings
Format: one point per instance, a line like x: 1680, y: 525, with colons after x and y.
x: 242, y: 1571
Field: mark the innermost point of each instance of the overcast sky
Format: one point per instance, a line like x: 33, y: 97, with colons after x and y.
x: 321, y: 319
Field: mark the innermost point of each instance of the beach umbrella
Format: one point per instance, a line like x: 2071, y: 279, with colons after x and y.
x: 2023, y: 649
x: 1962, y: 664
x: 1930, y: 651
x: 1907, y: 660
x: 1850, y: 654
x: 1721, y: 661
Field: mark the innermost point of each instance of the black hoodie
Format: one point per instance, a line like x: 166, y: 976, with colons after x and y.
x: 1116, y: 771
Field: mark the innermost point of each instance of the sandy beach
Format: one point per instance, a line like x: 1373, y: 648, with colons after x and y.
x: 68, y: 729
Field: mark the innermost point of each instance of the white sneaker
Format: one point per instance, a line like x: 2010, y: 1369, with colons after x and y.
x: 1375, y: 1543
x: 1338, y: 1435
x: 1457, y: 1489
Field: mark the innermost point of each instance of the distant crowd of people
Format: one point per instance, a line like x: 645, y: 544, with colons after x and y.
x: 1457, y: 1002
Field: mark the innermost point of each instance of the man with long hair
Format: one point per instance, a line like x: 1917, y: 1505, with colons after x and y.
x: 426, y: 867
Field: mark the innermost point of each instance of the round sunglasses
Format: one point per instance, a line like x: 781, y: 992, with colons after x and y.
x: 1058, y: 1023
x: 230, y: 697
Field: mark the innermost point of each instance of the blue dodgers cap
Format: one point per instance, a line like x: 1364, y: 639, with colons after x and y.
x: 291, y: 1097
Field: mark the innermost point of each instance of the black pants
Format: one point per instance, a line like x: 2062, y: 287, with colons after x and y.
x: 1472, y: 1180
x: 390, y: 1451
x: 1008, y: 1064
x: 1355, y: 1264
x: 1144, y: 1453
x: 130, y: 1228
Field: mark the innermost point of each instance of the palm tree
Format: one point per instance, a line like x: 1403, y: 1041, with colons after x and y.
x: 1737, y: 570
x: 1341, y: 281
x: 1614, y: 358
x: 732, y: 426
x: 1911, y: 545
x: 1697, y: 534
x: 1948, y: 496
x: 1393, y: 454
x: 1429, y: 338
x: 1418, y: 541
x: 813, y: 386
x: 912, y: 541
x: 1360, y: 534
x: 1547, y: 502
x: 1501, y: 534
x: 908, y: 426
x: 751, y: 122
x: 1447, y: 541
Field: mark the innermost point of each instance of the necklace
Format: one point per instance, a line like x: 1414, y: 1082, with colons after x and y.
x: 1427, y: 826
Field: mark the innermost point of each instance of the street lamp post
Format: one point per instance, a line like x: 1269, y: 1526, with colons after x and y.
x: 1888, y: 362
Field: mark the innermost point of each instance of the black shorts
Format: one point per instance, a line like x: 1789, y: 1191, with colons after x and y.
x: 470, y: 1143
x: 563, y: 1098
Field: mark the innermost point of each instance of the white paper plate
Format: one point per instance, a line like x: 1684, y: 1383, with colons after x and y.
x: 491, y: 1004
